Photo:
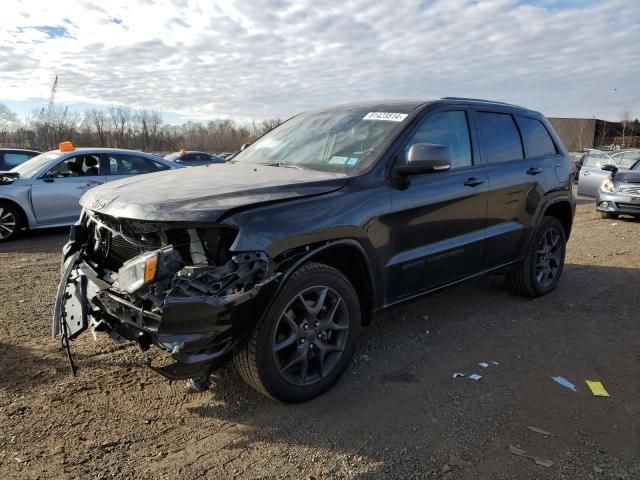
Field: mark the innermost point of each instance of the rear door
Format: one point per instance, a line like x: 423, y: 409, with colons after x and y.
x: 439, y: 219
x: 591, y: 173
x: 55, y: 196
x: 516, y: 183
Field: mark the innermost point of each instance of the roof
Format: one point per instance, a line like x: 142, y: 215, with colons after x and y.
x: 27, y: 150
x: 412, y: 104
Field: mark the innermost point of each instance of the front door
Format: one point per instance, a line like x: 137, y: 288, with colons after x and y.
x: 56, y: 195
x: 437, y: 223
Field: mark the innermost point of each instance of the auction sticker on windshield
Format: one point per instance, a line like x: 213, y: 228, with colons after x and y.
x: 387, y: 116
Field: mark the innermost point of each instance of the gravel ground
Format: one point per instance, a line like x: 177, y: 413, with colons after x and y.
x: 397, y: 412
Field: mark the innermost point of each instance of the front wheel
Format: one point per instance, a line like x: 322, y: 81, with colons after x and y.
x: 539, y: 272
x: 10, y: 222
x: 306, y: 339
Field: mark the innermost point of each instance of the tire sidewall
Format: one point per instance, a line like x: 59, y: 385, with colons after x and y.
x: 547, y: 223
x: 276, y: 385
x: 18, y: 219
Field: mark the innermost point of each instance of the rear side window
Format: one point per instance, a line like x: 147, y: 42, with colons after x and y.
x: 130, y: 165
x: 499, y: 137
x: 537, y: 141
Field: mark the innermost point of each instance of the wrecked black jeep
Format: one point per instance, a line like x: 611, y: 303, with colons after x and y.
x: 276, y: 258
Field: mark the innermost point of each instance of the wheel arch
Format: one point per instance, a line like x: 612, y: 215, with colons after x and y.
x: 561, y: 209
x: 351, y: 259
x: 20, y: 210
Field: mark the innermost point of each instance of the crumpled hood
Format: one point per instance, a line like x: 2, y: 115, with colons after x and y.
x: 627, y: 177
x: 204, y: 194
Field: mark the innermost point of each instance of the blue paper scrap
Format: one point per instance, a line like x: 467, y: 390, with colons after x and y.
x: 565, y: 383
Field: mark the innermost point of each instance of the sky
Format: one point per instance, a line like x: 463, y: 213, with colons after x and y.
x: 258, y: 59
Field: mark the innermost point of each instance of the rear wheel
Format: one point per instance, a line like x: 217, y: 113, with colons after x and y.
x: 608, y: 215
x: 306, y: 339
x: 10, y: 222
x: 540, y: 271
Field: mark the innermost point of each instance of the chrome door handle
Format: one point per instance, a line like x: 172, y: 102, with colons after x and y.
x: 472, y: 182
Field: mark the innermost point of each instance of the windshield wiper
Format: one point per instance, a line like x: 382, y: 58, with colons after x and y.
x: 280, y: 164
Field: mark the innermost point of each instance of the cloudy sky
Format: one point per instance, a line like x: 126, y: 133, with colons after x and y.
x: 206, y: 59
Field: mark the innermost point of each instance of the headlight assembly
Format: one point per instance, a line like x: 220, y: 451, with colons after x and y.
x: 607, y: 186
x: 138, y: 272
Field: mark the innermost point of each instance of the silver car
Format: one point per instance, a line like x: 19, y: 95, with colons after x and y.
x: 619, y: 193
x: 45, y: 191
x: 591, y: 174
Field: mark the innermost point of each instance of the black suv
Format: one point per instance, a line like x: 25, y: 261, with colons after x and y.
x: 278, y: 258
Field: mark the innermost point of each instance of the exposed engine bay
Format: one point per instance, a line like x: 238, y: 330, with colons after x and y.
x: 168, y: 284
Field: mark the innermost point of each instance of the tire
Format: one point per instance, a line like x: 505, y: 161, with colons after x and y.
x: 274, y: 358
x: 10, y: 221
x: 530, y: 278
x: 609, y: 216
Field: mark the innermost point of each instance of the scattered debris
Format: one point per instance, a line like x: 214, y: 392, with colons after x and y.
x: 614, y: 224
x: 446, y: 468
x: 597, y: 388
x: 495, y: 363
x: 540, y: 431
x: 475, y: 376
x: 565, y: 383
x: 484, y: 364
x: 425, y: 317
x: 458, y: 374
x: 522, y: 453
x: 458, y: 462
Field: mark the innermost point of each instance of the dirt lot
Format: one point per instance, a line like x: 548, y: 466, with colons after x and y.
x: 397, y: 412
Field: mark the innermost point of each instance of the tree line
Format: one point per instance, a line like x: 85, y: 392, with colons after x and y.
x: 123, y: 127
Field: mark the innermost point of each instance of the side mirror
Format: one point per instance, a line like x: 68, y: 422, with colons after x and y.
x: 425, y: 158
x: 609, y: 168
x: 244, y: 145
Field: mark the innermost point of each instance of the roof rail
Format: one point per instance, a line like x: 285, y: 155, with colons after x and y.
x: 480, y: 100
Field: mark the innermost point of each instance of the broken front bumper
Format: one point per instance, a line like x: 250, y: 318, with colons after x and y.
x: 618, y: 203
x: 197, y: 329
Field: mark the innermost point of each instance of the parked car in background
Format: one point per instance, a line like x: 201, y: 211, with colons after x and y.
x: 619, y: 192
x: 625, y: 159
x: 45, y: 190
x: 277, y: 258
x: 12, y: 157
x: 193, y: 159
x: 591, y: 175
x: 576, y: 163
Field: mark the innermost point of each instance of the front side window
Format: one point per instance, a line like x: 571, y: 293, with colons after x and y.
x: 76, y: 166
x: 596, y: 158
x: 450, y: 129
x: 537, y: 141
x: 129, y: 165
x: 343, y: 140
x: 499, y: 137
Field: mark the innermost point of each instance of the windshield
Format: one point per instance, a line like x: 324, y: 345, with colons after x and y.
x: 34, y: 165
x: 338, y: 140
x: 172, y: 156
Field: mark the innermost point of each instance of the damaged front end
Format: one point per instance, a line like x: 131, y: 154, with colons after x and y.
x: 173, y: 285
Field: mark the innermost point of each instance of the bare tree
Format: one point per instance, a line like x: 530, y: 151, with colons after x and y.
x: 98, y: 121
x: 625, y: 120
x: 8, y: 122
x: 120, y: 118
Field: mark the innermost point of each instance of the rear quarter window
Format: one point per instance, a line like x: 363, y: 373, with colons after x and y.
x: 499, y: 137
x: 537, y: 141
